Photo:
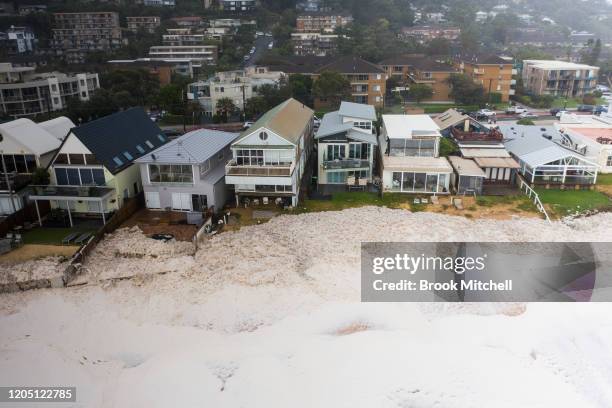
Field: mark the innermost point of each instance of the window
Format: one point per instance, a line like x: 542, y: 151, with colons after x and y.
x: 61, y: 158
x: 91, y: 159
x: 140, y: 149
x: 149, y: 144
x: 609, y: 161
x: 128, y: 155
x: 335, y: 152
x: 220, y: 155
x: 76, y: 159
x: 338, y: 177
x: 161, y: 138
x: 249, y: 157
x: 170, y: 173
x: 117, y: 161
x: 263, y: 135
x: 204, y: 167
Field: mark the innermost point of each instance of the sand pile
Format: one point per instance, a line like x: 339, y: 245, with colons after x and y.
x: 43, y: 268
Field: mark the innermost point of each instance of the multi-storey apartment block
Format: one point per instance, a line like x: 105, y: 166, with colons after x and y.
x: 418, y: 69
x: 182, y: 36
x: 85, y: 32
x: 559, y: 78
x: 490, y: 71
x: 159, y: 3
x: 235, y: 85
x: 269, y: 159
x: 198, y: 54
x: 24, y: 92
x: 314, y: 44
x: 17, y: 40
x: 321, y: 22
x: 426, y: 33
x: 238, y: 5
x: 145, y: 23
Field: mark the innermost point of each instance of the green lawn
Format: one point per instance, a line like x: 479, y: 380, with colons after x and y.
x: 429, y: 107
x: 604, y: 179
x: 341, y: 201
x: 565, y: 202
x: 521, y: 202
x: 53, y: 236
x: 573, y: 102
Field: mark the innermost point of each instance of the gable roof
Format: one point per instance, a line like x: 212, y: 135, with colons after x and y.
x: 331, y: 124
x: 287, y: 120
x: 316, y: 65
x: 34, y: 139
x: 58, y: 127
x: 529, y: 144
x: 193, y: 147
x: 357, y: 110
x: 109, y: 137
x: 351, y: 65
x: 451, y: 117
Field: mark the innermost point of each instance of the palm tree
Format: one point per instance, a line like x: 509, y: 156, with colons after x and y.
x: 225, y: 106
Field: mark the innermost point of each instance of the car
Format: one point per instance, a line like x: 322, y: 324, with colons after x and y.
x: 268, y: 34
x: 515, y: 110
x: 259, y: 33
x: 252, y: 50
x: 247, y: 125
x: 586, y: 108
x: 270, y: 45
x: 561, y: 112
x: 600, y: 109
x: 486, y: 112
x: 247, y: 57
x: 528, y: 115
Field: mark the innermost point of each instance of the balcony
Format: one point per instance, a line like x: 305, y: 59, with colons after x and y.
x: 491, y: 136
x: 233, y: 169
x: 345, y: 164
x: 85, y: 193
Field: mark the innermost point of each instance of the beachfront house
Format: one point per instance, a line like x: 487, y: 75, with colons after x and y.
x: 410, y: 156
x: 93, y: 172
x: 24, y: 147
x: 187, y: 173
x: 269, y: 159
x: 482, y: 144
x: 544, y: 160
x: 346, y: 143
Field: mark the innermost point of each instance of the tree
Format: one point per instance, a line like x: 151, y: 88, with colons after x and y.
x: 255, y: 106
x: 301, y: 88
x: 418, y: 92
x: 331, y: 86
x: 225, y: 106
x: 40, y: 177
x: 592, y: 57
x: 448, y: 147
x: 438, y: 46
x: 170, y: 99
x: 465, y: 91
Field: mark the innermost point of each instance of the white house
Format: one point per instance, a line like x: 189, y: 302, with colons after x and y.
x: 25, y: 146
x: 410, y: 156
x: 346, y: 142
x: 269, y: 158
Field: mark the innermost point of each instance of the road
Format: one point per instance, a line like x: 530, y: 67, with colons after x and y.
x: 261, y: 46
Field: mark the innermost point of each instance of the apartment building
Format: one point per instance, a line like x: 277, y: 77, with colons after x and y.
x: 410, y: 156
x: 346, y: 147
x: 182, y: 37
x: 238, y: 5
x: 159, y: 3
x: 492, y: 72
x: 559, y: 78
x: 85, y: 32
x: 235, y: 85
x: 17, y: 40
x: 188, y: 21
x: 143, y: 23
x: 23, y: 92
x: 426, y: 33
x: 321, y: 22
x: 367, y: 80
x: 198, y: 54
x: 269, y: 159
x: 314, y: 44
x: 418, y: 69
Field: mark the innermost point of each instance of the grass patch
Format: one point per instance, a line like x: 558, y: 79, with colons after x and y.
x: 344, y: 200
x: 573, y: 102
x: 604, y: 179
x: 429, y: 107
x: 490, y: 201
x: 566, y: 202
x: 50, y: 236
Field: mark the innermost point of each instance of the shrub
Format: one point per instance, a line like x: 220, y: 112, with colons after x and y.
x: 525, y: 121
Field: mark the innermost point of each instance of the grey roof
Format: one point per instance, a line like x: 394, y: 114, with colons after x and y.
x: 194, y: 147
x: 529, y: 144
x: 111, y: 137
x: 357, y: 110
x: 331, y: 124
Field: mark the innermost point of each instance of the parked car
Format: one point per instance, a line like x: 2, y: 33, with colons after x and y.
x: 586, y: 108
x: 600, y: 109
x: 270, y: 45
x: 247, y: 57
x: 486, y: 112
x: 252, y: 50
x: 528, y: 115
x: 515, y: 110
x: 561, y: 112
x: 247, y: 125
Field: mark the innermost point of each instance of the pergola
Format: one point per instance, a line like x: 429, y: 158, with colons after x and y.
x: 69, y: 194
x: 569, y: 169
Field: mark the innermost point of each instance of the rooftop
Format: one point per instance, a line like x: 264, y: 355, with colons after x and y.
x: 553, y: 64
x: 417, y: 164
x: 466, y: 167
x: 23, y: 135
x: 194, y: 147
x: 408, y: 126
x: 357, y: 110
x: 420, y: 62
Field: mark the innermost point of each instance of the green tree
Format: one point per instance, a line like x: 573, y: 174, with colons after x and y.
x: 225, y: 107
x: 465, y: 91
x: 448, y: 147
x: 301, y: 88
x: 170, y: 99
x: 418, y: 92
x: 40, y: 177
x: 331, y: 86
x: 255, y: 107
x: 525, y: 121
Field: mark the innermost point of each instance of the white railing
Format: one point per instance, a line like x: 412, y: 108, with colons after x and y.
x: 531, y: 193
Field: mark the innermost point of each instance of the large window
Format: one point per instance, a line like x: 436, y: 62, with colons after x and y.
x: 249, y: 157
x: 419, y: 182
x: 170, y: 173
x: 359, y: 151
x: 336, y: 177
x: 19, y: 163
x: 66, y: 176
x: 335, y: 152
x: 412, y: 147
